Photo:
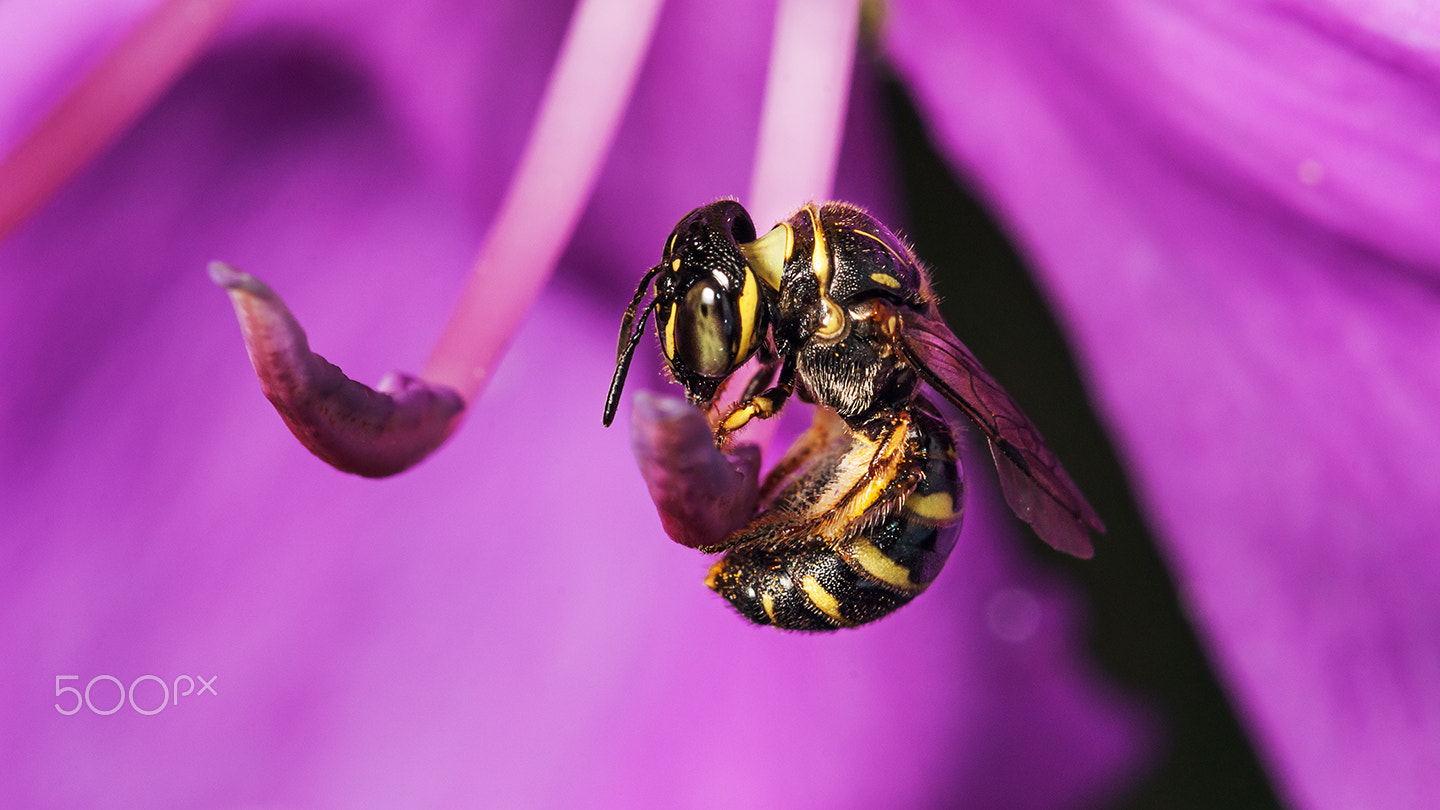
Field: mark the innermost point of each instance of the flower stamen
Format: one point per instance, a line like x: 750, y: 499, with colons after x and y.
x: 806, y: 92
x: 117, y: 92
x: 579, y: 116
x: 381, y: 432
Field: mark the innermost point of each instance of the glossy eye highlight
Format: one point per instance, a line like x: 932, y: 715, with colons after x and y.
x: 705, y: 335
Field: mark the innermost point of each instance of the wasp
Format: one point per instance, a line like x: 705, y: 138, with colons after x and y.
x: 862, y: 511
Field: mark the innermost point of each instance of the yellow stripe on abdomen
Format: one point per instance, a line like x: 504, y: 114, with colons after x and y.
x: 821, y: 599
x: 937, y: 507
x: 873, y: 561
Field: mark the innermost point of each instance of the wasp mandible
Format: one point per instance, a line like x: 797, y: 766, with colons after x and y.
x: 862, y: 511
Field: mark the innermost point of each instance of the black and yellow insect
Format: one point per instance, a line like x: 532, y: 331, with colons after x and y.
x: 861, y: 513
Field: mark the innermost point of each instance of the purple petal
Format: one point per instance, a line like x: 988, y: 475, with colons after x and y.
x: 350, y: 426
x: 1234, y: 209
x: 506, y: 624
x: 700, y: 493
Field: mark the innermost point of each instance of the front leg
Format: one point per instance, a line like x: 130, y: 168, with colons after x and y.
x: 763, y: 405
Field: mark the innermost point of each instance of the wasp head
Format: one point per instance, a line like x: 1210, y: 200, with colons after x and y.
x: 710, y: 311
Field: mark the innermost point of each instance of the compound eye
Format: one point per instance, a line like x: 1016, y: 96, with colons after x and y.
x: 705, y: 339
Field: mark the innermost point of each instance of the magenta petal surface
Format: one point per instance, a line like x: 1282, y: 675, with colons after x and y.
x: 1233, y: 208
x: 505, y: 625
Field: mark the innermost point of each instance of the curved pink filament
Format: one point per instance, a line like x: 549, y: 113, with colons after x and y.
x: 116, y: 93
x: 806, y: 92
x: 382, y: 432
x: 579, y: 116
x: 802, y: 123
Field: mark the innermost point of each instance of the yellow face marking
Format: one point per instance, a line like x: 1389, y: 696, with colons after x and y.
x: 768, y: 602
x: 937, y: 506
x: 822, y: 599
x: 769, y: 254
x: 668, y: 344
x: 675, y: 266
x: 886, y: 279
x: 832, y: 323
x: 874, y: 562
x: 749, y: 313
x: 670, y: 246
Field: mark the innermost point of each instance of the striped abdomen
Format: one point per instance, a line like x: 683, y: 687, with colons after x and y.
x: 862, y: 522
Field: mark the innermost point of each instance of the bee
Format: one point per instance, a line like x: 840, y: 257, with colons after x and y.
x: 862, y: 511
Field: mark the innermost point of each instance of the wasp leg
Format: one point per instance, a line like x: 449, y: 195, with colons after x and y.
x: 847, y: 485
x: 761, y: 380
x: 907, y: 551
x: 758, y: 382
x: 763, y: 405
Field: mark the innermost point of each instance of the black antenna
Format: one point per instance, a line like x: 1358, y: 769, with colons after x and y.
x: 625, y: 350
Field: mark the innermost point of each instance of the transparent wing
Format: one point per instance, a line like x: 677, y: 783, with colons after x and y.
x: 1035, y: 485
